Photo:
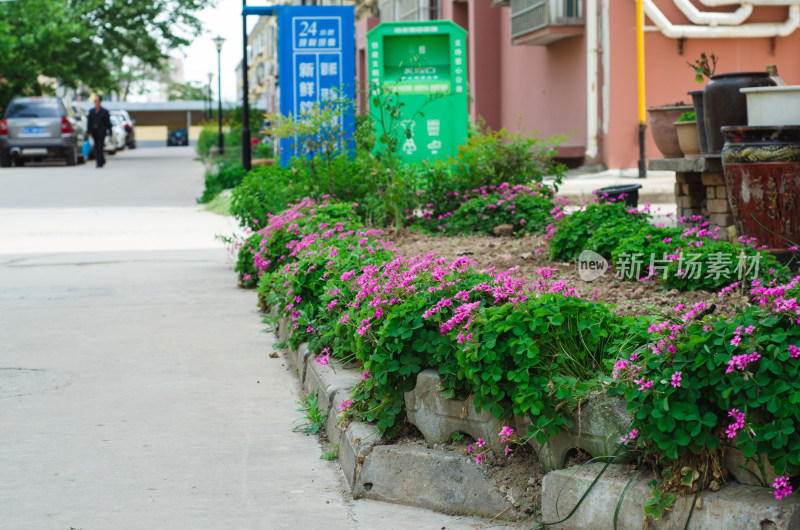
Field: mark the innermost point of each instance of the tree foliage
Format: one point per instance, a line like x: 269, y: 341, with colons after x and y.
x: 85, y: 42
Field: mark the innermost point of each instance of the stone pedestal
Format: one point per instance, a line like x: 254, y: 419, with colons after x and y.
x: 699, y: 188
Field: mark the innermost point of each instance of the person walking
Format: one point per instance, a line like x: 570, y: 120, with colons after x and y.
x: 99, y: 124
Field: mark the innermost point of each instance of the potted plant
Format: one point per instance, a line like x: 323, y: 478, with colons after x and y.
x: 662, y: 127
x: 688, y: 135
x: 703, y: 68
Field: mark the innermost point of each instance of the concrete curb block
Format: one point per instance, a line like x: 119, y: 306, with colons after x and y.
x: 448, y: 483
x: 438, y: 417
x: 355, y: 446
x: 327, y: 379
x: 733, y: 506
x: 602, y: 423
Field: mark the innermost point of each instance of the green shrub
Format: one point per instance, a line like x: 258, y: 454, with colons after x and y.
x: 574, y: 232
x: 527, y: 209
x: 692, y: 259
x: 706, y: 383
x: 224, y: 174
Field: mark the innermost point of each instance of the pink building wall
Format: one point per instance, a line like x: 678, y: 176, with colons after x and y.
x: 531, y: 88
x: 668, y: 78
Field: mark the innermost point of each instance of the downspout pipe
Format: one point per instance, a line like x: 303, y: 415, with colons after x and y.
x: 759, y: 30
x: 592, y: 48
x: 640, y: 87
x: 708, y: 18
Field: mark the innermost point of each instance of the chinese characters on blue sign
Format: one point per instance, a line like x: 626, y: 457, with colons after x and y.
x: 317, y: 59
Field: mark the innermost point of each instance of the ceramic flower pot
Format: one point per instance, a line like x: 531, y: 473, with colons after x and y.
x: 762, y: 177
x: 662, y: 128
x: 688, y: 138
x: 725, y: 106
x: 773, y: 105
x: 697, y: 102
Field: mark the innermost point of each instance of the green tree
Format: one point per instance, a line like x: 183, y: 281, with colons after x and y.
x: 85, y: 41
x: 186, y: 91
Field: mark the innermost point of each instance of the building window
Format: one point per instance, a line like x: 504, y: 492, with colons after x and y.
x: 409, y: 10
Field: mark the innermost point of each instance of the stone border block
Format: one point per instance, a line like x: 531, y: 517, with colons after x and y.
x: 448, y: 483
x: 601, y: 424
x: 355, y: 446
x: 438, y: 417
x: 282, y: 332
x: 332, y: 426
x: 327, y: 379
x: 733, y: 506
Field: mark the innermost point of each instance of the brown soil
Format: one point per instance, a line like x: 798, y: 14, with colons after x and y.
x: 532, y: 253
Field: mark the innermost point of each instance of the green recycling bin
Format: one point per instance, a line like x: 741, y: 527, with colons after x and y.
x: 425, y: 65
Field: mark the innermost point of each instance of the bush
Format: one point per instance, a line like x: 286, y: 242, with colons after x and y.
x: 575, y: 233
x: 526, y: 209
x: 705, y: 382
x: 486, y: 160
x: 224, y: 174
x: 692, y: 259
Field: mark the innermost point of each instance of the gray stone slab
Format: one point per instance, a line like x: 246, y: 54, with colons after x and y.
x: 438, y: 417
x: 354, y: 447
x: 734, y: 506
x: 697, y: 164
x: 327, y: 379
x: 448, y: 483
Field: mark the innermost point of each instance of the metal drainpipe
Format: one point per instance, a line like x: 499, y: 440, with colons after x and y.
x: 591, y: 79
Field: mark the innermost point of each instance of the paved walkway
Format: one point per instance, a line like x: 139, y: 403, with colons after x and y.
x: 136, y: 390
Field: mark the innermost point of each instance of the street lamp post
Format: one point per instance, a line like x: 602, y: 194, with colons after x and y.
x: 218, y: 43
x: 210, y: 104
x: 245, y: 103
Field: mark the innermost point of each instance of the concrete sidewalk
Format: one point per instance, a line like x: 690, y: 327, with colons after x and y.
x: 658, y: 187
x: 136, y: 392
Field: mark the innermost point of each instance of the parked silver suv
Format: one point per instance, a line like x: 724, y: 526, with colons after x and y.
x: 36, y: 128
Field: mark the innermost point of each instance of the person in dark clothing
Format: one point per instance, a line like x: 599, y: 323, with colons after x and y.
x: 99, y: 124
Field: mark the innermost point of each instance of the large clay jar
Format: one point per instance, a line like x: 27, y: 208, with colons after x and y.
x: 697, y: 101
x: 724, y: 105
x: 662, y: 128
x: 762, y: 177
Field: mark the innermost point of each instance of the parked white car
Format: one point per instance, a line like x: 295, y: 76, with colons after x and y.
x: 119, y: 132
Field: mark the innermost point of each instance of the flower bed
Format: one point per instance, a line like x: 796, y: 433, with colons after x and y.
x: 537, y: 349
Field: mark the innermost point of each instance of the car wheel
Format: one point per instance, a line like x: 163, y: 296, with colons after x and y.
x: 19, y: 162
x: 133, y: 144
x: 72, y: 157
x: 5, y: 159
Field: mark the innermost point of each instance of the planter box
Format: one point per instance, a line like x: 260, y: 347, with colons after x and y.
x: 773, y: 105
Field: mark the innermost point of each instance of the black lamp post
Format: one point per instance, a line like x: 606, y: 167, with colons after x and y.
x: 245, y: 104
x: 218, y: 43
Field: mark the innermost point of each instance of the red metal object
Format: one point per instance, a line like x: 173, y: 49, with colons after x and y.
x: 762, y: 177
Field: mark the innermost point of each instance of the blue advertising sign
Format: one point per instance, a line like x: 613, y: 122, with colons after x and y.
x: 316, y: 54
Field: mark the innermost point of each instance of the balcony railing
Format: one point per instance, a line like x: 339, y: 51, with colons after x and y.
x: 528, y: 16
